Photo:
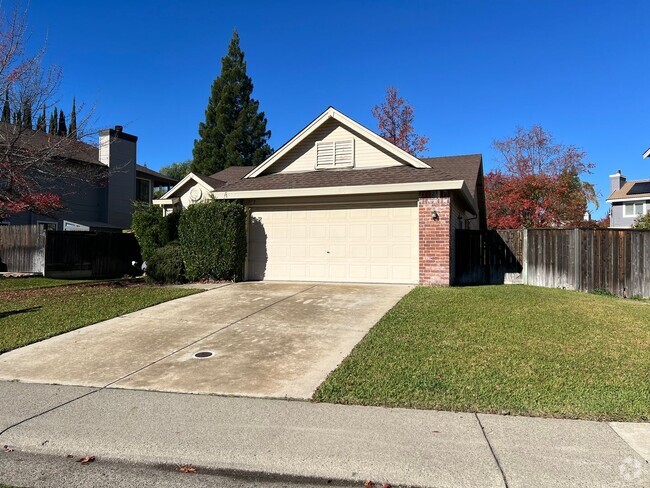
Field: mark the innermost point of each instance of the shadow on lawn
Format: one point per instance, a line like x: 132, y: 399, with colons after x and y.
x: 16, y: 312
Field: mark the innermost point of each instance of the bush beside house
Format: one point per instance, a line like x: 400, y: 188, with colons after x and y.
x: 212, y: 236
x: 152, y: 229
x: 166, y: 264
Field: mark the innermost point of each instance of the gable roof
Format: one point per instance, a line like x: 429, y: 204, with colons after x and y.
x: 332, y: 113
x: 208, y: 182
x: 632, y: 190
x: 233, y: 173
x: 435, y: 175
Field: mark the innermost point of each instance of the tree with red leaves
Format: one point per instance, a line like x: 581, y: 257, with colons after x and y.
x: 31, y: 161
x: 395, y: 123
x: 538, y: 183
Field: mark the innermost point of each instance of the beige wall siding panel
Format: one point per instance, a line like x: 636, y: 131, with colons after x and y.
x: 303, y: 157
x: 348, y: 243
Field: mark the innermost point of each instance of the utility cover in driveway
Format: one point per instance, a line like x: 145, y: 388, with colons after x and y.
x: 267, y: 339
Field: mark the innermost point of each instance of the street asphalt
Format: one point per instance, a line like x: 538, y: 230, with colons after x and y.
x: 266, y: 441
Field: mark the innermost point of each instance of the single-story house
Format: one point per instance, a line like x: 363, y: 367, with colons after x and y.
x: 97, y: 206
x: 339, y: 203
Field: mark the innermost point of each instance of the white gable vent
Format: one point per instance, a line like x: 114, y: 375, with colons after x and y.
x: 335, y: 154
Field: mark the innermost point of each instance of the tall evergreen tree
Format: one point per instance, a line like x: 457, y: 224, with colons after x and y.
x: 62, y: 130
x: 234, y: 132
x: 6, y: 110
x: 27, y: 116
x: 72, y: 130
x: 54, y: 121
x: 42, y: 120
x: 18, y: 118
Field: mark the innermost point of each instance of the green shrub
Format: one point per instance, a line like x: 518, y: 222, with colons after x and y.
x: 152, y: 229
x: 213, y: 240
x: 603, y: 292
x: 166, y: 264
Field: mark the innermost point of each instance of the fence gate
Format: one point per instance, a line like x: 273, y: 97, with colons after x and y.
x: 90, y: 254
x: 488, y: 257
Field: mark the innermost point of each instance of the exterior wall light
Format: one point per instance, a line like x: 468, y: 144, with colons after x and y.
x: 434, y: 215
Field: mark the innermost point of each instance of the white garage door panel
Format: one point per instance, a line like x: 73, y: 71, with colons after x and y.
x: 373, y: 243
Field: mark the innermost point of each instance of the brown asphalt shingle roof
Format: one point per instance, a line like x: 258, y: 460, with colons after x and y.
x: 442, y: 169
x: 632, y: 189
x: 232, y: 173
x: 213, y: 182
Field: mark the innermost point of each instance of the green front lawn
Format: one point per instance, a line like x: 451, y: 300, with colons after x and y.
x: 31, y: 315
x: 36, y: 282
x: 504, y: 349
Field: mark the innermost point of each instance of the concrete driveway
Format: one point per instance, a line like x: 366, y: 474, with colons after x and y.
x: 267, y: 339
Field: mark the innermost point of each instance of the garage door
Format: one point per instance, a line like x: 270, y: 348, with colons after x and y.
x: 370, y: 243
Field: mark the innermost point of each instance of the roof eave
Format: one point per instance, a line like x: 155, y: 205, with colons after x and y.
x: 330, y: 113
x: 458, y: 185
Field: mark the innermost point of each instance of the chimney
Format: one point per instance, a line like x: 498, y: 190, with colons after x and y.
x: 616, y: 181
x: 117, y: 150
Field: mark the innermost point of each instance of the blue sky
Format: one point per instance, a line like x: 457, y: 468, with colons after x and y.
x: 474, y: 70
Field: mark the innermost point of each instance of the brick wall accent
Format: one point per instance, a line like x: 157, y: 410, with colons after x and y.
x: 435, y: 236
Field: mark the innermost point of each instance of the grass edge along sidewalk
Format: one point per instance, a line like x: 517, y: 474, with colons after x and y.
x: 516, y: 350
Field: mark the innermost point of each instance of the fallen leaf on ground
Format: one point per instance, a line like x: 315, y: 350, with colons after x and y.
x: 8, y: 449
x: 69, y: 456
x: 86, y: 459
x: 187, y: 469
x: 369, y: 484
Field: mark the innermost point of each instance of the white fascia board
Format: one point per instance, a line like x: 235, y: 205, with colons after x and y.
x: 190, y: 176
x: 342, y: 190
x: 632, y: 199
x: 321, y: 119
x: 646, y: 154
x: 165, y: 201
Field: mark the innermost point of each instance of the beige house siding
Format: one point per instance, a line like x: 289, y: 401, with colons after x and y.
x: 302, y: 158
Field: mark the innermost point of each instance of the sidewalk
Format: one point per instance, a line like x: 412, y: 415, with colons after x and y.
x: 319, y: 442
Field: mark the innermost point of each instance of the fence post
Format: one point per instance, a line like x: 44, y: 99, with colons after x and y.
x: 577, y: 257
x: 524, y: 258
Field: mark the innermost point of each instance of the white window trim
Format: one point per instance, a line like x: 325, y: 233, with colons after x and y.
x: 333, y: 164
x: 646, y: 209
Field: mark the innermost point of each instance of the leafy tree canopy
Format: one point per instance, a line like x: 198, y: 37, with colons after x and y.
x: 538, y: 182
x: 395, y: 123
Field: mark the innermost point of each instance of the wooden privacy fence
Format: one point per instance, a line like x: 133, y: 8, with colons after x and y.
x: 22, y: 248
x: 578, y: 259
x: 67, y: 254
x: 90, y: 254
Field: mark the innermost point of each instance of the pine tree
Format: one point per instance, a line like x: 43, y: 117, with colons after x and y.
x: 6, y: 110
x: 234, y: 132
x: 73, y: 119
x: 62, y: 130
x: 27, y: 116
x: 40, y: 123
x: 53, y: 122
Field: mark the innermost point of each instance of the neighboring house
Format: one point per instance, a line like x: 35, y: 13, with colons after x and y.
x: 339, y: 203
x: 106, y: 206
x: 628, y: 199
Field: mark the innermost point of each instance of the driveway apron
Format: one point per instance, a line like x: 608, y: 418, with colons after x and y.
x: 264, y: 339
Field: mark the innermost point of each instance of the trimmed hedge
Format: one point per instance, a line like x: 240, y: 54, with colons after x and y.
x: 152, y: 229
x: 166, y: 264
x: 213, y: 240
